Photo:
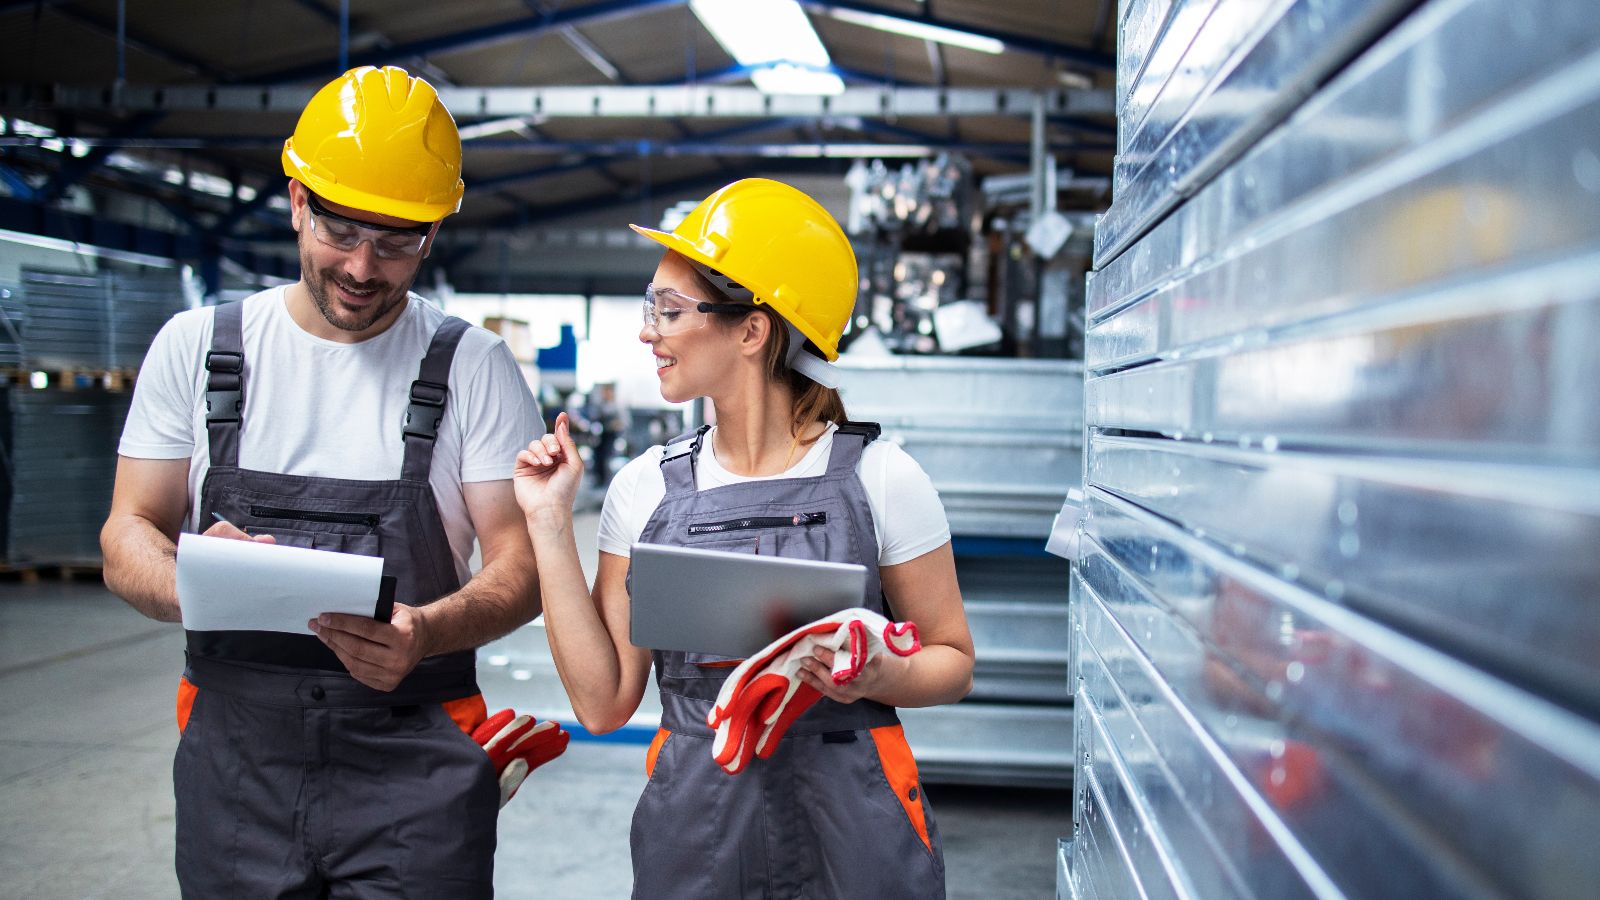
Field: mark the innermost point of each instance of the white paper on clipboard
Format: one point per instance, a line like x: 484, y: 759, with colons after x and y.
x: 233, y: 585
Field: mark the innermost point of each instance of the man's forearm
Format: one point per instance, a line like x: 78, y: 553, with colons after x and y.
x: 141, y: 566
x: 503, y: 596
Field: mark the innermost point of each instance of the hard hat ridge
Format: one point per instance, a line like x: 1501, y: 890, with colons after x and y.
x: 379, y: 140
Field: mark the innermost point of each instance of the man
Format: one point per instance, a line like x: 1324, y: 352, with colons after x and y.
x: 335, y: 761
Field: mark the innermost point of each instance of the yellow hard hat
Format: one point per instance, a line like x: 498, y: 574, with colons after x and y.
x: 379, y: 140
x: 781, y: 246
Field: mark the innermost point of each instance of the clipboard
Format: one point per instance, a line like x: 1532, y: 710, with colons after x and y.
x: 230, y: 585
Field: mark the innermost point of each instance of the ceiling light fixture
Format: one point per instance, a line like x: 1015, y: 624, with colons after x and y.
x: 786, y: 78
x: 491, y: 127
x: 920, y: 30
x: 775, y: 38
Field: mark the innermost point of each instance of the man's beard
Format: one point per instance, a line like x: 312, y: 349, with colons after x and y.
x: 320, y: 285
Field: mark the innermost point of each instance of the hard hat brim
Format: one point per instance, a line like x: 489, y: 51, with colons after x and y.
x: 345, y: 195
x: 688, y: 249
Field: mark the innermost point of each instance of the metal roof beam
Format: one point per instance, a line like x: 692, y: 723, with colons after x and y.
x: 584, y: 47
x: 612, y: 101
x: 142, y: 43
x: 473, y: 38
x: 639, y: 148
x: 535, y: 25
x: 74, y: 170
x: 689, y: 185
x: 16, y: 183
x: 623, y: 149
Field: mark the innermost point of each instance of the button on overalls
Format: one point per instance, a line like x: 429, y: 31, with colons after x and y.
x: 290, y: 775
x: 838, y: 810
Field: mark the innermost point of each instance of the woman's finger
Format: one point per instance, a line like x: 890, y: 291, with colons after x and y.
x: 564, y: 435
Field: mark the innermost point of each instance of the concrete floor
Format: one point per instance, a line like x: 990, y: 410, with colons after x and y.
x: 87, y: 737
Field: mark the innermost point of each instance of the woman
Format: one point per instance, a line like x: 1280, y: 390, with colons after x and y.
x: 755, y: 289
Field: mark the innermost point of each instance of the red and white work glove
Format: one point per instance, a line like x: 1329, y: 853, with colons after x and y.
x: 517, y: 745
x: 764, y: 695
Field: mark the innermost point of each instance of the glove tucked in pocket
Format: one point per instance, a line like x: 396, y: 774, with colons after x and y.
x: 517, y: 745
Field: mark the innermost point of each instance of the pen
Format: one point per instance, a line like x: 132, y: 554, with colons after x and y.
x: 219, y: 518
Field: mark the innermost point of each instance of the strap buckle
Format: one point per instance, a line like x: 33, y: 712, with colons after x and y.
x: 224, y: 406
x: 684, y: 445
x: 225, y: 362
x: 869, y: 431
x: 426, y: 409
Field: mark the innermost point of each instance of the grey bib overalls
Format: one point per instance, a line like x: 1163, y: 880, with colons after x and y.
x: 838, y: 810
x: 292, y: 778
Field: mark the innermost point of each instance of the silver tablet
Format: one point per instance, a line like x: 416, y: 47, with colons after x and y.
x: 731, y: 604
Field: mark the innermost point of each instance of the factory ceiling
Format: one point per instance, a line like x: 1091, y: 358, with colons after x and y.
x: 566, y: 107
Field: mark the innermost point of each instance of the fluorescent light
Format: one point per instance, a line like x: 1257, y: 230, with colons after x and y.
x: 762, y: 31
x: 492, y: 127
x: 920, y: 30
x: 784, y: 78
x: 776, y: 39
x: 873, y: 151
x: 840, y: 151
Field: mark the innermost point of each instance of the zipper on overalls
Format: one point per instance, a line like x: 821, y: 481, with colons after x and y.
x: 801, y: 520
x: 313, y: 515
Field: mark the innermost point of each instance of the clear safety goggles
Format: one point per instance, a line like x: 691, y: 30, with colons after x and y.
x: 668, y: 312
x: 388, y: 241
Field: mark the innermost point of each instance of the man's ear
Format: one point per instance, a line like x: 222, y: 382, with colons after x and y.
x: 297, y: 203
x: 427, y: 244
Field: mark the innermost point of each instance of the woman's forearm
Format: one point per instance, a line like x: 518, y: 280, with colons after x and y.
x: 586, y: 655
x: 935, y: 675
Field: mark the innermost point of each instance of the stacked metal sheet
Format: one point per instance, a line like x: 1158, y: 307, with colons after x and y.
x: 1000, y: 438
x: 12, y: 320
x: 1334, y: 612
x: 138, y: 307
x: 95, y: 322
x: 60, y: 461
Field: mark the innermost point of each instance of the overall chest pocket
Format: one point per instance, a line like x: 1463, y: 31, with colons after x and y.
x: 801, y: 535
x: 341, y: 531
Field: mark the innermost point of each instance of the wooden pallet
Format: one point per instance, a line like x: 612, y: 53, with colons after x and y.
x: 33, y: 574
x: 73, y: 379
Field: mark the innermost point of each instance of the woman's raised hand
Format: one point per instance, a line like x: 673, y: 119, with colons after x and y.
x: 548, y: 473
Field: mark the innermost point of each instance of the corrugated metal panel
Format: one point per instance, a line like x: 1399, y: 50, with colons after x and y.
x: 104, y: 321
x: 60, y: 461
x: 13, y: 318
x: 1334, y: 611
x: 1218, y: 77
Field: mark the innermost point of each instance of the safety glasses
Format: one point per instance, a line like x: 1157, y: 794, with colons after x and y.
x: 388, y: 241
x: 669, y: 312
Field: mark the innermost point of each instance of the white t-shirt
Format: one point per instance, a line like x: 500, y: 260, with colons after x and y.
x: 321, y: 408
x: 906, y: 513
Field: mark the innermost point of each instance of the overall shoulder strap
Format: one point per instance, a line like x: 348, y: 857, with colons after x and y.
x: 678, y: 460
x: 225, y: 384
x: 849, y: 442
x: 429, y: 395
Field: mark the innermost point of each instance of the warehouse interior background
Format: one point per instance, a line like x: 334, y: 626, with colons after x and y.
x: 1251, y: 345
